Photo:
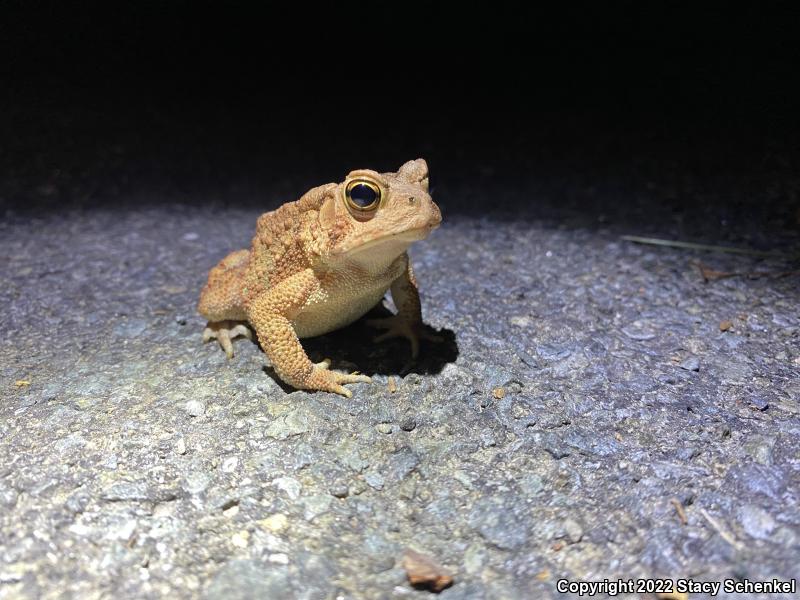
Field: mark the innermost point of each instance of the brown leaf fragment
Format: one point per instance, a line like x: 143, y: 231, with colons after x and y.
x: 424, y: 572
x: 679, y: 510
x: 22, y: 383
x: 710, y: 274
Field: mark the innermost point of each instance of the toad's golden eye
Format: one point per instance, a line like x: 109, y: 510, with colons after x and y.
x: 362, y: 195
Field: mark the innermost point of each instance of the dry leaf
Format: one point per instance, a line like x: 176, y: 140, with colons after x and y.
x: 22, y: 383
x: 424, y: 572
x: 710, y: 274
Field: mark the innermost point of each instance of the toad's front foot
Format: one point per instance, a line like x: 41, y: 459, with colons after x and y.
x: 226, y: 331
x: 397, y: 326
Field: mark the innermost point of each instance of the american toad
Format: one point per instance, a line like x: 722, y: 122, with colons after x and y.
x: 320, y: 263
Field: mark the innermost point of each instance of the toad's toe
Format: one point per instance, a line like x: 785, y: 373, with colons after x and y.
x: 225, y: 332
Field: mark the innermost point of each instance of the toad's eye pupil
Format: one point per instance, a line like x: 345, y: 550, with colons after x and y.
x: 363, y: 195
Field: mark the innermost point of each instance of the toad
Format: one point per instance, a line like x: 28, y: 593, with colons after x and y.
x: 320, y: 263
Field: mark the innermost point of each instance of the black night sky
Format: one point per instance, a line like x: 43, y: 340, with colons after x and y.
x: 195, y: 104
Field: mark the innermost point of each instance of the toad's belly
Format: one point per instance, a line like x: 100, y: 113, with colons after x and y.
x: 337, y: 307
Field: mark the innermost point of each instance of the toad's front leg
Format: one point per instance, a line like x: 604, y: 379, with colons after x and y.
x: 271, y: 314
x: 407, y: 322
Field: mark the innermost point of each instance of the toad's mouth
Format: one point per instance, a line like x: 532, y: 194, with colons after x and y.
x: 398, y: 241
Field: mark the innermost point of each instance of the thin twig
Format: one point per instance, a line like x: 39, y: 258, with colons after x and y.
x: 723, y: 533
x: 709, y: 247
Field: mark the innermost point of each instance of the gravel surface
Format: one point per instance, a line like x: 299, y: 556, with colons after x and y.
x: 596, y: 410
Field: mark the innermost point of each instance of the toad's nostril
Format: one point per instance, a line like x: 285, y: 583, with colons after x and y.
x: 411, y: 199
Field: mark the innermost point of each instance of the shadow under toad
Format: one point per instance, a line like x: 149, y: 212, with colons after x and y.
x: 353, y: 349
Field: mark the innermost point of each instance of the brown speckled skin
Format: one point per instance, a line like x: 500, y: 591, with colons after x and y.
x: 316, y: 265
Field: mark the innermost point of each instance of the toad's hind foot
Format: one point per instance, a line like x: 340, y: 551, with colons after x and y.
x: 226, y: 331
x: 398, y: 326
x: 324, y: 380
x: 325, y: 363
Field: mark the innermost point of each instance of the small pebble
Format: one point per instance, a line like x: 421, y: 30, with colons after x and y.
x: 725, y: 325
x: 180, y: 446
x: 690, y: 364
x: 278, y: 559
x: 519, y: 410
x: 384, y: 427
x: 520, y: 321
x: 374, y: 480
x: 241, y: 539
x: 408, y: 424
x: 339, y: 490
x: 488, y: 438
x: 757, y: 522
x: 275, y: 523
x: 196, y: 482
x: 195, y: 408
x: 8, y: 496
x: 315, y: 506
x: 289, y: 485
x: 759, y: 403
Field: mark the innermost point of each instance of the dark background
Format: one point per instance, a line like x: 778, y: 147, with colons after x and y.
x: 653, y: 119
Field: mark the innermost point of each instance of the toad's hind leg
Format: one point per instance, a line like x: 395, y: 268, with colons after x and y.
x: 221, y: 301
